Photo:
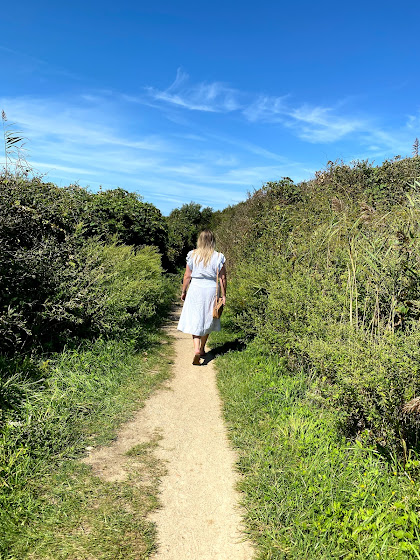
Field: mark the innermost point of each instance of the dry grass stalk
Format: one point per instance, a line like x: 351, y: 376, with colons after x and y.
x: 367, y: 212
x: 320, y: 177
x: 337, y: 205
x: 412, y: 407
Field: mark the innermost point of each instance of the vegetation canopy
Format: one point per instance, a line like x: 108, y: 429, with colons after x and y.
x: 327, y: 273
x: 324, y: 293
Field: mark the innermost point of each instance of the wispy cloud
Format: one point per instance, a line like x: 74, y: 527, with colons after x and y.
x: 77, y: 141
x: 101, y: 137
x: 315, y: 124
x: 250, y: 147
x: 214, y: 97
x: 83, y: 121
x: 267, y: 108
x: 323, y: 125
x: 413, y: 122
x: 385, y: 141
x: 32, y: 64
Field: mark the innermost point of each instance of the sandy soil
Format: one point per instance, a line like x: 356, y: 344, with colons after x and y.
x: 200, y: 518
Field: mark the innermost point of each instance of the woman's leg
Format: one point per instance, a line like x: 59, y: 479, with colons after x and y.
x: 196, y: 342
x: 203, y: 344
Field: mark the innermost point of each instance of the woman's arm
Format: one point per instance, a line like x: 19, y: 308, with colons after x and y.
x: 223, y: 282
x: 186, y: 282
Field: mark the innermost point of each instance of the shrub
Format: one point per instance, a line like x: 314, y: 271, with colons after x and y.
x: 184, y: 224
x: 327, y: 273
x: 110, y: 290
x: 56, y: 277
x: 119, y: 214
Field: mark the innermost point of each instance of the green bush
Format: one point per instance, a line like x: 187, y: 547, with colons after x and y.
x: 109, y: 290
x: 324, y: 277
x: 121, y: 215
x: 56, y: 275
x: 184, y: 224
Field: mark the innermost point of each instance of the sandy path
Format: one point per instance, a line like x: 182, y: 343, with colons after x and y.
x: 199, y: 518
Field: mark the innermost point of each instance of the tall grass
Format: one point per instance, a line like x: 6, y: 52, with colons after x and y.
x: 324, y: 289
x: 333, y: 283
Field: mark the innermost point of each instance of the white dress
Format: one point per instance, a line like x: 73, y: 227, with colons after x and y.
x: 197, y: 313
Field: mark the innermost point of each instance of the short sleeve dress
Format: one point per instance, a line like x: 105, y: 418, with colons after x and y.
x: 197, y: 312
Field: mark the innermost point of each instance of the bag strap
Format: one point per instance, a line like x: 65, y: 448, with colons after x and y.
x: 217, y: 275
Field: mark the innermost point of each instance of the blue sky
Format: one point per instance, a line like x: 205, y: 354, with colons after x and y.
x: 205, y: 101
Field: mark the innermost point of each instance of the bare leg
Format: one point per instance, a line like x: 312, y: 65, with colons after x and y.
x: 196, y: 342
x: 203, y: 344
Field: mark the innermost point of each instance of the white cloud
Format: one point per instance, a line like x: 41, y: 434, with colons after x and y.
x: 315, y: 124
x: 321, y: 125
x: 413, y: 122
x: 76, y: 141
x: 213, y: 97
x: 267, y: 109
x: 386, y: 141
x: 32, y: 64
x: 96, y: 138
x: 79, y: 121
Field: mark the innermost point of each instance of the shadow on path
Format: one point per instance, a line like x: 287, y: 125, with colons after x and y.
x: 232, y: 346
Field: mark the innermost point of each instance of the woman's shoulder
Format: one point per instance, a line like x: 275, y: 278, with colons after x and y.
x: 219, y: 260
x: 189, y: 258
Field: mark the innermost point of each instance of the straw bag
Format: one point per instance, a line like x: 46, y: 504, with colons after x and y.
x: 218, y: 304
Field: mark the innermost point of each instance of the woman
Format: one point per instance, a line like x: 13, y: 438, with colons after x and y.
x: 200, y: 279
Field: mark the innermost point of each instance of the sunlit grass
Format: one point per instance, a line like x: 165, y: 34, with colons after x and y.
x: 309, y: 492
x: 52, y: 506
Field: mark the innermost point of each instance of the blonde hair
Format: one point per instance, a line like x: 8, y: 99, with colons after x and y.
x: 206, y: 244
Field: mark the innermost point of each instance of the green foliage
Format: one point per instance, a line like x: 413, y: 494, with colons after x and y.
x: 34, y: 221
x: 108, y: 290
x: 383, y: 186
x: 310, y: 493
x: 123, y: 215
x: 57, y: 281
x: 327, y: 273
x: 184, y: 225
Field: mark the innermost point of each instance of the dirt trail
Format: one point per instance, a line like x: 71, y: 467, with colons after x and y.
x: 199, y: 518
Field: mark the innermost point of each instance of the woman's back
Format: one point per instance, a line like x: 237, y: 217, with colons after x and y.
x: 209, y: 271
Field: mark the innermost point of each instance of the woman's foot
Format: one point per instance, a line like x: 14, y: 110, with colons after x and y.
x: 202, y: 353
x: 196, y: 360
